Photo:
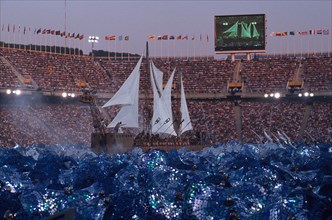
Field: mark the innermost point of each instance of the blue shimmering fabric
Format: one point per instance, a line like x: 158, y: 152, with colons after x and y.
x: 226, y: 181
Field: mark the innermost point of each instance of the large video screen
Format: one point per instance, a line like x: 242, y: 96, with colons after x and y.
x: 239, y: 33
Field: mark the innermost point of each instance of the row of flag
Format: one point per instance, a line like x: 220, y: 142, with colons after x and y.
x: 301, y: 33
x: 44, y: 31
x: 114, y: 37
x: 178, y: 37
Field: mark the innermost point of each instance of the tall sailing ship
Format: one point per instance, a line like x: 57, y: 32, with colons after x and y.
x: 162, y: 124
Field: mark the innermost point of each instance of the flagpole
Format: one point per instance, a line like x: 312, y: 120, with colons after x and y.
x: 50, y: 42
x: 3, y: 26
x: 174, y: 48
x: 108, y: 49
x: 115, y: 50
x: 287, y: 46
x: 301, y: 45
x: 168, y: 51
x: 121, y: 50
x: 19, y: 38
x: 308, y: 47
x: 194, y: 48
x: 128, y: 48
x: 280, y: 46
x: 14, y: 39
x: 155, y: 48
x: 321, y: 45
x: 187, y: 49
x: 329, y: 41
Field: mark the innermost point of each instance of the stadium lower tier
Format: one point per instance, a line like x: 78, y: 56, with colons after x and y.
x: 29, y: 119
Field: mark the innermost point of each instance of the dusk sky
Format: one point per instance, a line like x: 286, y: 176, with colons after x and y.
x: 139, y: 19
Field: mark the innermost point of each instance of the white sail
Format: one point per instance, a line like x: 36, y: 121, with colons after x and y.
x: 127, y: 96
x: 245, y: 30
x: 255, y: 33
x: 158, y: 77
x: 232, y: 31
x: 185, y: 118
x: 162, y: 119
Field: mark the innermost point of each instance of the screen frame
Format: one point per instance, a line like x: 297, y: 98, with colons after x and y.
x: 244, y: 50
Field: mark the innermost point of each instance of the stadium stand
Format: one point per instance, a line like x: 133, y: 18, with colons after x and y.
x: 34, y: 121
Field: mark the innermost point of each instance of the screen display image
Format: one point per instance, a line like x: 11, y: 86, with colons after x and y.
x: 239, y: 33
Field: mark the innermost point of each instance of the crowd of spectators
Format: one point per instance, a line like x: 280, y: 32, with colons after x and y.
x: 8, y: 78
x: 30, y: 123
x: 271, y: 117
x: 319, y: 126
x: 213, y: 119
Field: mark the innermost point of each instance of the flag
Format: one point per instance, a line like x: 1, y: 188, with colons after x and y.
x: 291, y: 33
x: 52, y: 32
x: 200, y: 37
x: 326, y: 32
x: 3, y: 27
x: 38, y: 31
x: 24, y: 30
x: 207, y: 38
x: 281, y: 34
x: 113, y: 37
x: 63, y: 34
x: 159, y: 37
x: 178, y: 37
x: 73, y: 35
x: 171, y: 37
x: 14, y: 28
x: 152, y: 37
x: 319, y: 31
x: 57, y: 32
x: 77, y: 36
x: 81, y: 37
x: 68, y: 35
x: 272, y: 34
x: 8, y: 27
x: 312, y: 32
x: 303, y: 33
x: 185, y: 37
x: 120, y: 37
x: 126, y: 37
x: 193, y: 37
x: 165, y: 37
x: 19, y: 28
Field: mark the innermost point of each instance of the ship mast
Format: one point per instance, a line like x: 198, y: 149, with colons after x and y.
x: 146, y: 110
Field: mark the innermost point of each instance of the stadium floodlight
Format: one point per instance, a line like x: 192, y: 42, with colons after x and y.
x: 71, y: 95
x: 64, y: 94
x: 271, y: 95
x: 311, y: 94
x: 266, y: 95
x: 277, y: 95
x: 17, y: 92
x: 300, y: 94
x: 93, y: 40
x: 9, y: 91
x: 306, y: 94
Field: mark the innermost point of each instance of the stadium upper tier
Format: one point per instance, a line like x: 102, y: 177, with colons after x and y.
x: 55, y: 72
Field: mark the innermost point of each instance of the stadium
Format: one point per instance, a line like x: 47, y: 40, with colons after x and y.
x: 244, y: 136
